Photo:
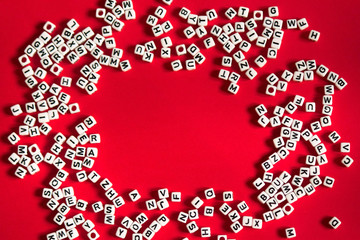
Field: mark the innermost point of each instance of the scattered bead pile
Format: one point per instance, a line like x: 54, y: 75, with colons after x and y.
x: 51, y: 102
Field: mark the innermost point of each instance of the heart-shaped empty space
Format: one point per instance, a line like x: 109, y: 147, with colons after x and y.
x: 175, y: 130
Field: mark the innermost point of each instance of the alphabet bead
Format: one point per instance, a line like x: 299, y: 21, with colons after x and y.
x: 344, y: 147
x: 334, y: 137
x: 347, y: 161
x: 263, y: 121
x: 329, y: 182
x: 290, y: 232
x: 205, y: 232
x: 334, y: 222
x: 314, y: 35
x: 93, y: 235
x: 176, y: 65
x: 270, y: 90
x: 134, y: 195
x: 211, y: 14
x: 258, y: 183
x: 13, y: 138
x: 192, y: 227
x: 236, y: 227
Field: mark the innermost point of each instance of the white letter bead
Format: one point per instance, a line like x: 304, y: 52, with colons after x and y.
x: 192, y: 227
x: 287, y: 75
x: 209, y: 42
x: 28, y: 71
x: 16, y: 110
x: 334, y: 137
x: 134, y: 195
x: 148, y: 57
x: 183, y: 217
x: 272, y: 79
x: 184, y: 13
x: 224, y: 74
x: 310, y: 107
x: 151, y: 204
x: 243, y: 12
x: 334, y: 222
x: 260, y: 61
x: 190, y: 64
x: 261, y: 109
x: 20, y: 172
x: 258, y: 183
x: 118, y: 202
x: 225, y: 209
x: 165, y: 52
x: 209, y: 211
x: 163, y: 193
x: 205, y: 232
x: 81, y: 176
x: 176, y: 196
x: 166, y: 42
x: 121, y: 232
x: 197, y: 202
x: 322, y: 70
x: 258, y: 15
x: 93, y: 235
x: 268, y: 216
x: 228, y: 196
x: 88, y: 225
x: 24, y: 60
x: 180, y: 49
x: 56, y: 69
x: 291, y: 24
x: 118, y: 25
x: 13, y: 138
x: 340, y: 83
x: 270, y: 90
x: 176, y: 65
x: 162, y: 204
x: 302, y: 24
x: 344, y: 147
x: 263, y: 121
x: 272, y: 53
x: 273, y: 11
x: 30, y: 51
x: 233, y: 88
x: 347, y: 161
x: 74, y: 108
x: 200, y: 31
x: 49, y: 27
x: 329, y: 182
x: 314, y: 35
x: 155, y: 226
x: 127, y: 222
x: 209, y: 193
x: 256, y: 223
x: 236, y: 227
x: 243, y: 207
x: 230, y: 13
x: 251, y: 73
x: 151, y: 20
x: 308, y: 75
x: 100, y: 12
x: 268, y: 177
x: 211, y: 14
x: 157, y: 30
x: 290, y: 232
x: 189, y: 32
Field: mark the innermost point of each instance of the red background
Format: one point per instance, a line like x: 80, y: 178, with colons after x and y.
x: 183, y: 130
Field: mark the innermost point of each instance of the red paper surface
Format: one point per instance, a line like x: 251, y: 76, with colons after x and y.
x: 183, y: 130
